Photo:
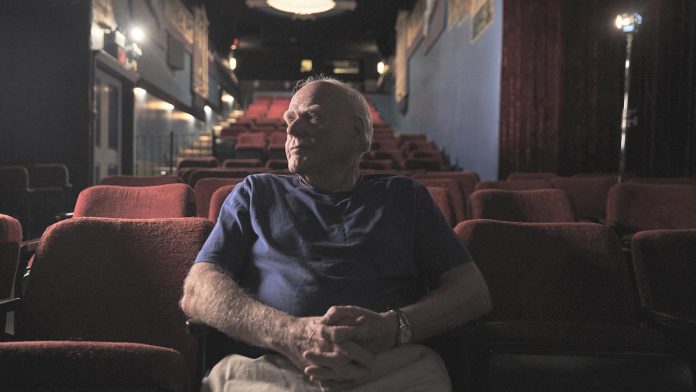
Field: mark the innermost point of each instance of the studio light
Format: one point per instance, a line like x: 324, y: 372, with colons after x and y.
x: 627, y: 23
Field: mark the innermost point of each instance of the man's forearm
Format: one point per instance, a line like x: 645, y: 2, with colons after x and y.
x: 461, y: 296
x: 213, y: 297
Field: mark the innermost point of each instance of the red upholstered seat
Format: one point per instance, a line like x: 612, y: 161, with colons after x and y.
x: 251, y: 146
x: 443, y: 200
x: 199, y: 174
x: 10, y: 239
x: 277, y: 164
x: 561, y: 290
x: 217, y: 200
x: 431, y: 164
x: 276, y: 145
x: 205, y: 188
x: 588, y: 195
x: 101, y: 306
x: 66, y: 364
x: 664, y: 180
x: 541, y: 205
x: 161, y: 201
x: 414, y: 137
x: 234, y: 162
x: 450, y: 184
x: 196, y: 162
x: 467, y: 180
x: 394, y: 154
x: 519, y: 185
x: 14, y: 193
x: 665, y: 267
x: 377, y: 164
x: 140, y: 180
x: 633, y: 207
x: 530, y: 176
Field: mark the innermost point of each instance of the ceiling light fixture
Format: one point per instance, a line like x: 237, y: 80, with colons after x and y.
x: 302, y: 7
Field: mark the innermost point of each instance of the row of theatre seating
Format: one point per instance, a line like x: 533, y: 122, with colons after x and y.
x: 35, y: 194
x: 570, y: 310
x: 258, y: 139
x: 240, y: 146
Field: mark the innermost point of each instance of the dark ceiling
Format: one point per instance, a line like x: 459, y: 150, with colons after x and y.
x: 271, y: 47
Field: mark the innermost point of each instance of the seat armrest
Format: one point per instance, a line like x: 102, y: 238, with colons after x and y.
x: 63, y: 216
x: 671, y: 319
x: 197, y: 328
x: 9, y: 304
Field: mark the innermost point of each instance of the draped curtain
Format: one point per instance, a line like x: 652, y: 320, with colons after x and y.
x: 562, y: 86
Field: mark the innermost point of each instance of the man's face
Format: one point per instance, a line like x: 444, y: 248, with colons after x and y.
x: 321, y: 130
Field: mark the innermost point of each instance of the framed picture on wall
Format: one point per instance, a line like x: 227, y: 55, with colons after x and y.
x: 481, y: 19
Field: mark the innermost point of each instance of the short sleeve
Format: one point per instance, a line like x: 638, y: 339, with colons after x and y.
x: 230, y: 241
x: 437, y: 248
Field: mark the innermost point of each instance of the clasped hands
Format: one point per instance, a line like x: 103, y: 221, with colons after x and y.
x: 342, y: 344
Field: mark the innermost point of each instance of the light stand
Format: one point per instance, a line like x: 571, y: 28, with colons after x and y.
x: 628, y: 23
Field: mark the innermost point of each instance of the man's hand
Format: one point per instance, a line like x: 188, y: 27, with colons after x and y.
x: 310, y: 349
x: 355, y: 328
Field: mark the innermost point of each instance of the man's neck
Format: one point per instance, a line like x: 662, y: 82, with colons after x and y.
x: 338, y: 181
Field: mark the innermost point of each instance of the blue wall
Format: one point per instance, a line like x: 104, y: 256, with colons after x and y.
x: 454, y: 95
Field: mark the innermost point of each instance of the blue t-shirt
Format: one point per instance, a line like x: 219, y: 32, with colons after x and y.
x: 302, y: 250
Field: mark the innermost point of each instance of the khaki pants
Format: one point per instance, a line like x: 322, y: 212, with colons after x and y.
x: 409, y: 368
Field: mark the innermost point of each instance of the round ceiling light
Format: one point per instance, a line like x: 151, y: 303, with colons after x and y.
x: 302, y: 7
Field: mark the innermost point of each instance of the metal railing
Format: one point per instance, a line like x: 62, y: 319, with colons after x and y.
x: 157, y: 154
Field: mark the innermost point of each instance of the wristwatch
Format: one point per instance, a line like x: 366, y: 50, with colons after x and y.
x: 404, y: 334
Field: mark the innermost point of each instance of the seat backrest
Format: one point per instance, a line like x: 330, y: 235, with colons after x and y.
x: 467, y: 180
x: 197, y: 162
x: 13, y: 178
x: 115, y: 280
x: 217, y: 200
x: 588, y: 194
x: 664, y: 180
x: 48, y: 175
x: 665, y: 267
x: 140, y: 180
x: 530, y: 176
x: 10, y: 238
x: 241, y: 163
x: 200, y: 174
x: 519, y: 185
x: 443, y: 200
x: 160, y: 201
x: 204, y: 192
x: 458, y: 202
x: 635, y: 207
x: 560, y: 272
x: 540, y: 205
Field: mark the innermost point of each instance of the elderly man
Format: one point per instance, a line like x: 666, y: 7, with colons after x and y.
x: 335, y: 272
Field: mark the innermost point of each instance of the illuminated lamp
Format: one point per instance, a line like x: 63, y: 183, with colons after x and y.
x: 302, y: 7
x: 627, y: 23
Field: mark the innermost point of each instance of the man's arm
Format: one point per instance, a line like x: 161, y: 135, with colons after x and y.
x: 213, y: 297
x: 460, y: 296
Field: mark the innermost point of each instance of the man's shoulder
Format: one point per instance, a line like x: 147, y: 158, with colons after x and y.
x: 268, y: 179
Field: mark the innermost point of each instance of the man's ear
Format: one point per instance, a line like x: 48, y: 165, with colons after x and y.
x: 359, y: 133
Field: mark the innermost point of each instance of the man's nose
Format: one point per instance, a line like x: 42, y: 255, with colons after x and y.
x: 296, y: 129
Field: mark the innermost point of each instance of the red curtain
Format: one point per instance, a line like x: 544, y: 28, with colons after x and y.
x: 562, y: 86
x: 530, y: 86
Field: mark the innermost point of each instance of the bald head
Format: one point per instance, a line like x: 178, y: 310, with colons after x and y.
x: 350, y: 100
